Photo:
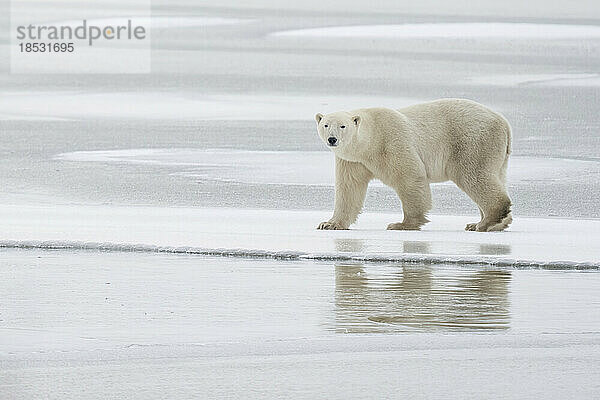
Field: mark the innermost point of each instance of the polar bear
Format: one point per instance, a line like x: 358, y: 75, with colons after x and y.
x: 448, y: 139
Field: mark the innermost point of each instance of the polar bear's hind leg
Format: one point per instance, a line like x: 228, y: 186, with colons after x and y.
x: 499, y: 219
x: 490, y: 195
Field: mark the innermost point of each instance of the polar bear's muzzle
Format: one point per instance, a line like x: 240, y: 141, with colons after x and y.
x: 332, y: 141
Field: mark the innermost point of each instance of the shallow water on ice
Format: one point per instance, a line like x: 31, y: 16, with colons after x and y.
x: 122, y: 325
x: 119, y: 298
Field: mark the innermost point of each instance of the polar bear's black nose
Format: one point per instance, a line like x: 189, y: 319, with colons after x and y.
x: 332, y: 141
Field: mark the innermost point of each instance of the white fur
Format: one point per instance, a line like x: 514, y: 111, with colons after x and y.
x: 407, y: 149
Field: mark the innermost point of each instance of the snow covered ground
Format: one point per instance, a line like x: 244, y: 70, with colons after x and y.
x: 533, y: 242
x: 157, y: 231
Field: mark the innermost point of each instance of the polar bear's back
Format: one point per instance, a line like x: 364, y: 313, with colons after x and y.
x: 450, y: 132
x: 456, y: 117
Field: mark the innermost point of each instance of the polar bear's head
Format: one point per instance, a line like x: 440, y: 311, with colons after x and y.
x: 337, y: 130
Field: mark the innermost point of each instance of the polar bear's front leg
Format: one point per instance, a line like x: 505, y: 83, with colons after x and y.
x: 351, y: 182
x: 416, y: 203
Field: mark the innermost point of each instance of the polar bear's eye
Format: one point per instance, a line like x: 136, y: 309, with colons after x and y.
x: 343, y: 126
x: 326, y: 126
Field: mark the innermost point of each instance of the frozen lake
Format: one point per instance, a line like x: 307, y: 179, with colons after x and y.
x: 116, y: 325
x: 118, y: 191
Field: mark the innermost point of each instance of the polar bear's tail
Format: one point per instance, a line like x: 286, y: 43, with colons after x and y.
x: 508, y: 151
x: 505, y: 214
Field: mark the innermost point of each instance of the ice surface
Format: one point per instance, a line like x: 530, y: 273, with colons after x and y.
x: 501, y: 30
x: 109, y: 289
x: 104, y: 325
x: 581, y: 80
x: 24, y: 117
x: 553, y: 243
x: 169, y: 105
x: 157, y: 21
x: 305, y: 167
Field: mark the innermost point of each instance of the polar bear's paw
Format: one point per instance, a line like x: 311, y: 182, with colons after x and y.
x: 500, y: 226
x: 331, y: 226
x: 471, y: 227
x: 403, y: 226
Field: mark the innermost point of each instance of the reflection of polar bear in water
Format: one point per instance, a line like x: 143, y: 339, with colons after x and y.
x: 396, y: 298
x: 407, y: 149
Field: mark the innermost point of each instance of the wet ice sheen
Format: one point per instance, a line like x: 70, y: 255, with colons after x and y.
x: 118, y: 324
x: 228, y: 298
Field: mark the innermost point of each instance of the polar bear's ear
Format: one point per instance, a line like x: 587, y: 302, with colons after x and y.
x: 318, y: 117
x: 356, y: 120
